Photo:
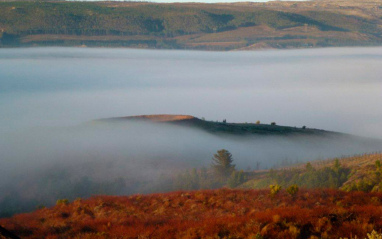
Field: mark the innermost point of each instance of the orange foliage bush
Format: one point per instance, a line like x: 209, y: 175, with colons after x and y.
x: 219, y: 213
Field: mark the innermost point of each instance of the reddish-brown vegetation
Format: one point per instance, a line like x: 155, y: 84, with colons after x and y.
x: 207, y: 214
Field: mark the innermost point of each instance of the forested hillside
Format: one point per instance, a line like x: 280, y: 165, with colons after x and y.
x: 190, y: 26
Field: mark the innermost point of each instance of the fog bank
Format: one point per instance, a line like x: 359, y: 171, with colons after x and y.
x: 48, y: 94
x: 335, y: 89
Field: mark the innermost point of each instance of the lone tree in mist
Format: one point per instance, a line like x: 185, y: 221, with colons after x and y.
x: 222, y: 163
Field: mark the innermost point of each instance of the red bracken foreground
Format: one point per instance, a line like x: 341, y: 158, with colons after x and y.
x: 219, y: 213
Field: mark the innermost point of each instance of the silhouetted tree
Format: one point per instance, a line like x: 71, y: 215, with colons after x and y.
x: 257, y: 165
x: 309, y: 167
x: 336, y: 166
x: 222, y: 163
x: 378, y: 164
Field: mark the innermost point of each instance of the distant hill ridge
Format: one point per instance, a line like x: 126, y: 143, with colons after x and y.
x: 198, y: 26
x: 223, y: 127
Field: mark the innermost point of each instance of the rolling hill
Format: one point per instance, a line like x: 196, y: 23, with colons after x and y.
x: 355, y: 173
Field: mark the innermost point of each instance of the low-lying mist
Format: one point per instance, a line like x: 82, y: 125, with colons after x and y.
x: 47, y: 95
x: 334, y: 89
x: 41, y: 165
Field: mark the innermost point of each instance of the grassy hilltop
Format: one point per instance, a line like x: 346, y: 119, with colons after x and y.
x: 191, y: 25
x: 222, y: 128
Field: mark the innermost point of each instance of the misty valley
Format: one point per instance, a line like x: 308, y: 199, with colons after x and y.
x: 80, y: 122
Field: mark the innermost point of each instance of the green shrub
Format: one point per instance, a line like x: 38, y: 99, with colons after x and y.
x: 62, y: 201
x: 292, y: 190
x: 275, y: 189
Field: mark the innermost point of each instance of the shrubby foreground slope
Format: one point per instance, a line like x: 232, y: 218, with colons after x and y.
x: 282, y: 212
x: 219, y: 213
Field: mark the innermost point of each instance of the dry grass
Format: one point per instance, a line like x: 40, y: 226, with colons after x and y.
x: 163, y: 117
